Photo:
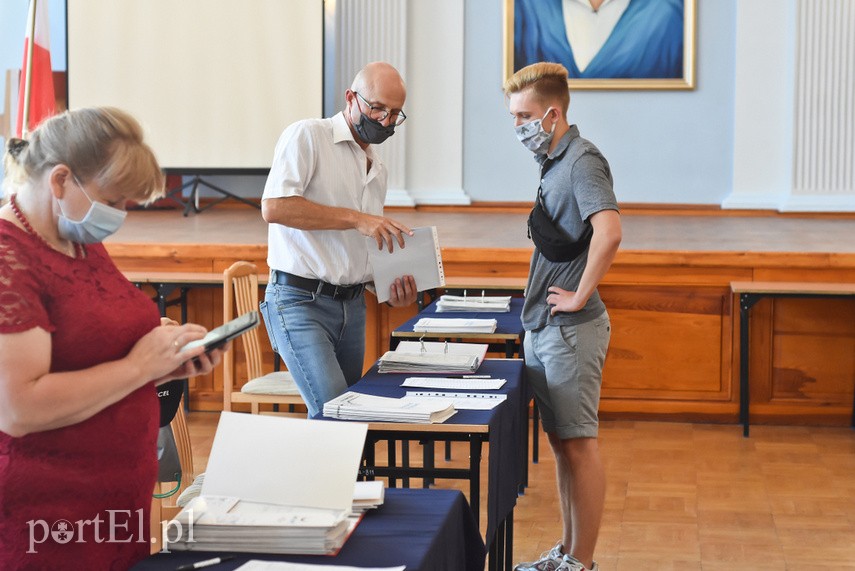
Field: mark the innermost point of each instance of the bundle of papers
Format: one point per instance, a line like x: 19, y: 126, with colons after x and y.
x: 358, y: 406
x: 254, y: 501
x: 493, y: 304
x: 215, y: 523
x: 433, y: 357
x: 395, y: 362
x: 445, y: 325
x: 368, y: 495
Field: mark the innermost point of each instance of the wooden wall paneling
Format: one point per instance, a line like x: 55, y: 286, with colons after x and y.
x: 817, y: 273
x: 674, y: 334
x: 667, y: 343
x: 813, y: 352
x: 205, y: 307
x: 760, y: 362
x: 674, y: 275
x: 486, y: 262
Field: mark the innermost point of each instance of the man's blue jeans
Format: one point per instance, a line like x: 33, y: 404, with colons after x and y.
x: 321, y: 340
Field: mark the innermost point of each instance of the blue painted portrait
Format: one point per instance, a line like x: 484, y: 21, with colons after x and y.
x: 606, y: 39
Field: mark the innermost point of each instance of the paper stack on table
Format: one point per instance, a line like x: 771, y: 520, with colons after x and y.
x: 368, y: 495
x: 433, y: 357
x: 492, y: 304
x: 274, y: 485
x: 358, y: 406
x: 395, y: 362
x: 446, y: 325
x: 228, y: 524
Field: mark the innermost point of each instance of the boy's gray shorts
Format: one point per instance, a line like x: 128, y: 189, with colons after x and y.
x: 564, y: 366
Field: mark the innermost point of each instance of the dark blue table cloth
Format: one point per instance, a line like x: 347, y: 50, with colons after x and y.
x: 505, y: 468
x: 426, y: 530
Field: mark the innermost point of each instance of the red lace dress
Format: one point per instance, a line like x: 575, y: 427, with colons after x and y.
x: 77, y: 497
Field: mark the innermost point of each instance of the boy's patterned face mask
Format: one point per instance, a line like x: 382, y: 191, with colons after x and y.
x: 533, y: 136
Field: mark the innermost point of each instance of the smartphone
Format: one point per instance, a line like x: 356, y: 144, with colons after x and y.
x: 218, y: 337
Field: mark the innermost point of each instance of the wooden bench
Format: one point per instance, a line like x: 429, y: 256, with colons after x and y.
x: 749, y: 294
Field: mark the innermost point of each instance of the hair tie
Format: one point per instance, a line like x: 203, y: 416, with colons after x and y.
x: 16, y: 146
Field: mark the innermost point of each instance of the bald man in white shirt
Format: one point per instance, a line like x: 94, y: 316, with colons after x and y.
x: 325, y: 192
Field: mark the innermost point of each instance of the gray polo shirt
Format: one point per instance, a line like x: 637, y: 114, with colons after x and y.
x: 576, y: 185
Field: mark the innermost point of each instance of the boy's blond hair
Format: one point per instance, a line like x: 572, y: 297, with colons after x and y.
x: 546, y: 79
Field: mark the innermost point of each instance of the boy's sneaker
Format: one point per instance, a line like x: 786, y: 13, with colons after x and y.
x: 549, y: 561
x: 570, y: 563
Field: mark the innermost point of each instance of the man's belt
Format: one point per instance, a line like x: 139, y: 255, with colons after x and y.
x: 337, y: 292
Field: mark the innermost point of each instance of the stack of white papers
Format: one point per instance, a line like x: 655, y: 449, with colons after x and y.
x: 445, y: 325
x: 368, y: 495
x: 433, y: 357
x: 395, y: 362
x: 493, y: 304
x: 358, y: 406
x: 213, y: 523
x: 254, y: 500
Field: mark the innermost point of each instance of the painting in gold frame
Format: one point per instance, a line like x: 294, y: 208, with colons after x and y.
x: 650, y: 46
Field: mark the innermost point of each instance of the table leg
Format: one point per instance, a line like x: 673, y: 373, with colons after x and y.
x: 405, y: 461
x: 428, y: 451
x: 370, y: 455
x: 746, y: 301
x: 392, y: 461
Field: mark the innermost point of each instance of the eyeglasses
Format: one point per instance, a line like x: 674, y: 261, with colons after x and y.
x: 381, y: 113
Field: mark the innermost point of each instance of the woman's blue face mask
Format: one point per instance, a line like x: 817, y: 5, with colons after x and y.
x: 99, y: 222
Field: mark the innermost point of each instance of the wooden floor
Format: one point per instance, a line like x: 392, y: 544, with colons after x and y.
x: 694, y: 497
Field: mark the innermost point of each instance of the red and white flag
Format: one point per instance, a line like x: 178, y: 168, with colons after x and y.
x: 36, y: 75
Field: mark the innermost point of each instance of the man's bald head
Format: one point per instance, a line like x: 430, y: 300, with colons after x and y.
x: 380, y: 82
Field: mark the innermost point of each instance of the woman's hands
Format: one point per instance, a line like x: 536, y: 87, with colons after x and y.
x: 159, y: 354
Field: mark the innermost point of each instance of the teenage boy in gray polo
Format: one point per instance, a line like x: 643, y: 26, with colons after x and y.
x: 576, y: 230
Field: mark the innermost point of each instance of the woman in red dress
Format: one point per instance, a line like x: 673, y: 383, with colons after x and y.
x: 81, y: 350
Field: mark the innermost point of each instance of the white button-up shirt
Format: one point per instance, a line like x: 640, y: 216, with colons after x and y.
x: 319, y: 160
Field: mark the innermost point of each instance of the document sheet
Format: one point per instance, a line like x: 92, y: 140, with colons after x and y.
x: 420, y: 257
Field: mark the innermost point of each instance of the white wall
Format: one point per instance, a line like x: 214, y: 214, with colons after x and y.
x: 729, y: 142
x: 763, y: 135
x: 663, y: 147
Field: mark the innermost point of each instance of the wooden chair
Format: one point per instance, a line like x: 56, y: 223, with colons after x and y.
x: 240, y: 294
x: 165, y: 509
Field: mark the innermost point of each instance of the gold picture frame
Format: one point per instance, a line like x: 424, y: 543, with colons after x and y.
x: 685, y: 82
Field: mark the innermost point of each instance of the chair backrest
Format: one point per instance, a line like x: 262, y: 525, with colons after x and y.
x: 240, y: 294
x: 183, y: 446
